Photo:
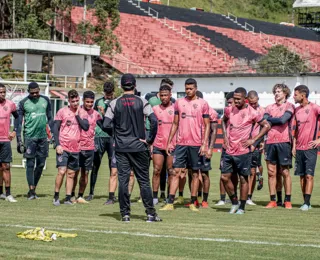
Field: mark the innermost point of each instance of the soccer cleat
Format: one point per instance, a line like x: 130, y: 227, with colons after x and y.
x: 153, y: 218
x: 56, y: 202
x: 260, y: 182
x: 155, y: 201
x: 234, y: 209
x: 287, y: 205
x: 68, y: 202
x: 90, y: 197
x: 193, y: 207
x: 305, y: 207
x: 81, y: 200
x: 239, y: 212
x: 179, y: 201
x: 31, y: 197
x: 167, y: 207
x: 205, y: 204
x: 73, y: 199
x: 199, y: 199
x: 250, y: 202
x: 3, y: 196
x: 126, y: 219
x: 196, y: 203
x: 10, y: 198
x: 220, y: 203
x: 272, y: 204
x: 109, y: 202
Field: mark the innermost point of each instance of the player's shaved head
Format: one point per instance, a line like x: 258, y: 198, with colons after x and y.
x: 241, y: 91
x: 253, y: 94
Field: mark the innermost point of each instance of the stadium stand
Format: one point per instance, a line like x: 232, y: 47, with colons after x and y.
x: 151, y: 46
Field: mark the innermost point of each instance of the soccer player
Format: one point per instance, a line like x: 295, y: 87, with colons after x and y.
x: 87, y: 144
x: 305, y: 143
x: 237, y: 124
x: 7, y: 108
x: 278, y: 143
x: 191, y: 113
x: 104, y: 143
x: 126, y: 116
x: 35, y: 110
x: 234, y: 177
x: 165, y: 114
x: 154, y: 100
x: 69, y: 122
x: 253, y: 100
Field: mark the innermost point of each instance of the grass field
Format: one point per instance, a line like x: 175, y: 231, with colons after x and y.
x: 210, y: 234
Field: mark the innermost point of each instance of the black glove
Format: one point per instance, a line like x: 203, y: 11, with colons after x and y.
x: 20, y: 147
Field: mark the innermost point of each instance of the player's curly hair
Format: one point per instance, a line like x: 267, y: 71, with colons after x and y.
x: 73, y: 94
x: 108, y: 87
x: 165, y: 87
x: 286, y: 90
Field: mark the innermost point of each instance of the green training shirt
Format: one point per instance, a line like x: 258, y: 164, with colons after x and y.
x: 101, y: 102
x: 34, y: 112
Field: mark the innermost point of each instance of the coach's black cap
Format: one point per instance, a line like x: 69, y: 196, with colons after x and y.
x: 128, y: 80
x: 33, y: 85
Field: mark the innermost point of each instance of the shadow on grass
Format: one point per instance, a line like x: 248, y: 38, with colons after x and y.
x: 117, y: 216
x: 39, y: 195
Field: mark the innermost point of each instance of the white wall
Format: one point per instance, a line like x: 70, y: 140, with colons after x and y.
x: 213, y: 88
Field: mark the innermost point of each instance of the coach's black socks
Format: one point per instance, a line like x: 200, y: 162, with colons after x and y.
x: 155, y: 194
x: 8, y: 192
x: 56, y: 196
x: 171, y: 199
x: 234, y: 199
x: 242, y: 204
x: 287, y: 198
x: 249, y: 196
x: 205, y: 196
x: 111, y: 195
x: 307, y: 199
x: 279, y: 196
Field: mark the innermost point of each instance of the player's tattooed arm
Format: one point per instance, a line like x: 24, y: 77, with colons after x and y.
x: 265, y: 127
x: 174, y: 128
x: 213, y: 137
x: 224, y: 131
x: 56, y: 133
x: 84, y: 123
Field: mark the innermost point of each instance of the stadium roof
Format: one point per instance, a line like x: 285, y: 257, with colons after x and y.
x: 42, y: 46
x: 306, y: 3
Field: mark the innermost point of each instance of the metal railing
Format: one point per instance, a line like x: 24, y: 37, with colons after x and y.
x: 248, y: 26
x: 154, y: 11
x: 232, y: 17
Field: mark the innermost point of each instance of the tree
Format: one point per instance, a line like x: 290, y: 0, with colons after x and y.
x: 101, y: 33
x: 280, y: 60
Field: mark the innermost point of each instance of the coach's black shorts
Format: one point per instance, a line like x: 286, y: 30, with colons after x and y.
x: 69, y: 160
x: 279, y: 154
x: 205, y: 164
x: 240, y: 164
x: 5, y: 152
x: 86, y: 159
x: 104, y: 145
x: 255, y: 159
x: 187, y: 156
x: 36, y: 148
x: 305, y: 163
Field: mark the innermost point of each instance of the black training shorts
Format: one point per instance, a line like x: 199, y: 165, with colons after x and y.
x: 279, y: 154
x: 69, y: 160
x: 305, y: 163
x: 36, y: 148
x: 86, y: 159
x: 187, y: 156
x: 5, y: 153
x: 240, y: 164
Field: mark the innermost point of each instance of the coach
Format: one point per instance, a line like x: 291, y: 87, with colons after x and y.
x: 125, y: 117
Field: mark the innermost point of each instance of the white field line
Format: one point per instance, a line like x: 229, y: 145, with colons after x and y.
x: 138, y: 234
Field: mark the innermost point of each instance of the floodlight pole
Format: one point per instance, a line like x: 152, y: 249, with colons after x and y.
x: 25, y: 67
x: 85, y: 72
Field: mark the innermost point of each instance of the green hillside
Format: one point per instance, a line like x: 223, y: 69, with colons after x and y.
x: 267, y: 10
